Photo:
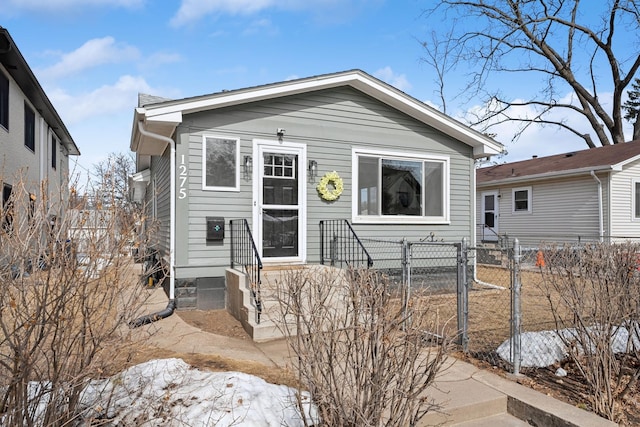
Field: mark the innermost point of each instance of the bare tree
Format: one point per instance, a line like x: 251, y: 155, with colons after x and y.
x: 110, y: 179
x: 67, y: 295
x: 594, y: 294
x: 366, y: 358
x: 585, y: 50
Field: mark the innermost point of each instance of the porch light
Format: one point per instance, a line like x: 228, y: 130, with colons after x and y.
x: 248, y: 163
x: 313, y: 168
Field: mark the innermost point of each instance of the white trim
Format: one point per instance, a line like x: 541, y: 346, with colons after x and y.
x: 529, y: 199
x: 260, y: 145
x: 206, y: 187
x: 403, y: 219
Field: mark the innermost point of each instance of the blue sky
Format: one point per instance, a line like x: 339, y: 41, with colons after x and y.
x: 93, y: 57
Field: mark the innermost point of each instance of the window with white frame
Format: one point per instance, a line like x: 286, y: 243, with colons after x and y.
x: 522, y: 199
x: 398, y: 187
x: 636, y: 199
x: 220, y: 163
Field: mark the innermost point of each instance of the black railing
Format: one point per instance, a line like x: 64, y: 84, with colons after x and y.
x: 244, y: 254
x: 339, y: 245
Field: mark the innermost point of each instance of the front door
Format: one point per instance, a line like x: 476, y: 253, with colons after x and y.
x: 489, y: 218
x: 279, y: 186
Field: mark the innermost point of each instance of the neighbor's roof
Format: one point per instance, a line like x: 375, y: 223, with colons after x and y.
x: 17, y: 67
x: 163, y: 117
x: 610, y: 157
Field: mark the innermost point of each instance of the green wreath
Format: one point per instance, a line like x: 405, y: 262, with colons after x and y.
x: 333, y: 179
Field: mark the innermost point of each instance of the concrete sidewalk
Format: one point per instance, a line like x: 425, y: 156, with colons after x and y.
x: 469, y: 396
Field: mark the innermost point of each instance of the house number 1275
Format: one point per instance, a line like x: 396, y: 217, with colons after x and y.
x: 182, y: 179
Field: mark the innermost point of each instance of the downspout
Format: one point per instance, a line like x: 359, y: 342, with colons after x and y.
x: 168, y: 311
x: 600, y: 207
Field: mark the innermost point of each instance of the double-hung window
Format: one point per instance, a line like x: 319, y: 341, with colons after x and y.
x: 398, y: 187
x: 4, y: 101
x: 220, y: 163
x: 522, y: 200
x: 29, y: 128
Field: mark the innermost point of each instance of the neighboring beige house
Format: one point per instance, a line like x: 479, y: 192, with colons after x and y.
x: 34, y: 142
x: 592, y: 194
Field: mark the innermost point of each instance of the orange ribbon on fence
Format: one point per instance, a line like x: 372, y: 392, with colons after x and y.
x: 539, y: 259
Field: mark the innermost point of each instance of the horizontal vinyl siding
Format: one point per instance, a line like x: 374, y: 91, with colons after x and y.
x: 623, y: 223
x: 330, y: 124
x: 560, y: 209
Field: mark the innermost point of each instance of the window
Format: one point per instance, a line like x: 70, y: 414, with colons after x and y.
x: 4, y: 101
x: 394, y: 187
x: 220, y: 160
x: 522, y: 199
x: 29, y: 128
x: 7, y: 208
x: 54, y: 152
x: 636, y: 199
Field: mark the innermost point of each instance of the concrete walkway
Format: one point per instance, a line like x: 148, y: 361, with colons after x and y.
x: 469, y: 396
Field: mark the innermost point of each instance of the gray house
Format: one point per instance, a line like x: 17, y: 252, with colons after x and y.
x: 284, y: 157
x: 35, y: 142
x: 591, y: 194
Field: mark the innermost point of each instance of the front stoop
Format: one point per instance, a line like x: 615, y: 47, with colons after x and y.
x: 241, y: 304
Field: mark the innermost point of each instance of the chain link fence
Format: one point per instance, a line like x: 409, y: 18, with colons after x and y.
x: 492, y: 295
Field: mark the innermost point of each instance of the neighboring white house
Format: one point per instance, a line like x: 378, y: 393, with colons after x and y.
x: 592, y: 194
x: 259, y: 153
x: 34, y: 142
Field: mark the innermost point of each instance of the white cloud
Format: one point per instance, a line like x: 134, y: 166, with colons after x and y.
x: 542, y: 140
x: 397, y: 80
x: 193, y: 10
x: 93, y: 53
x: 105, y: 100
x: 64, y: 6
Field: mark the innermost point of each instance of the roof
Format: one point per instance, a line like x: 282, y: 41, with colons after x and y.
x: 19, y: 70
x: 608, y: 158
x: 163, y: 117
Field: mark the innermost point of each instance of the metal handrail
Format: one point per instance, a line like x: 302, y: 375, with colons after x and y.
x: 339, y: 244
x: 244, y: 253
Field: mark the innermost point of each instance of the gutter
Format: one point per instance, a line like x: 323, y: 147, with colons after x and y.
x: 172, y: 235
x: 600, y: 207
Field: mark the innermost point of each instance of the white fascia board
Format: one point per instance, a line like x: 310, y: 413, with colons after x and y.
x: 173, y: 118
x: 619, y: 166
x: 543, y: 176
x: 482, y: 145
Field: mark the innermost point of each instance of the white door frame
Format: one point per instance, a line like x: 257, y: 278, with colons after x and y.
x: 488, y: 234
x: 261, y: 146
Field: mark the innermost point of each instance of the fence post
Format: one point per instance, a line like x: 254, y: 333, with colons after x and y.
x: 406, y: 273
x: 462, y: 290
x: 516, y: 313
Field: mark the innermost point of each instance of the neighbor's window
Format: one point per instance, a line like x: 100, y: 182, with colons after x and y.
x: 220, y: 163
x: 4, y: 101
x: 522, y: 199
x: 636, y: 199
x: 7, y: 208
x: 54, y: 152
x: 29, y: 128
x: 392, y: 187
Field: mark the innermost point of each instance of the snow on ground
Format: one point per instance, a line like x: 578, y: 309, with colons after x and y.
x: 542, y: 349
x: 169, y: 392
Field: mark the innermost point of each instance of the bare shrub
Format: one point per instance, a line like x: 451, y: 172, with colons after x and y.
x: 67, y: 293
x: 364, y: 357
x: 594, y: 295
